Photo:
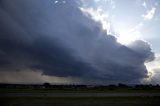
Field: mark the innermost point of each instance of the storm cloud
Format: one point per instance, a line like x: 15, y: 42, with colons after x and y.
x: 60, y: 40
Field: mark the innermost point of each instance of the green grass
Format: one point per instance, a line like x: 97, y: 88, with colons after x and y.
x: 41, y: 90
x: 80, y: 101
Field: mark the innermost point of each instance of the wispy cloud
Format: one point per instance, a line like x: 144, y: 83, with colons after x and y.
x: 144, y: 4
x: 149, y: 14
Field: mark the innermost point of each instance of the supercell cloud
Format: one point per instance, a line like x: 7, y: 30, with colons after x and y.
x: 59, y: 40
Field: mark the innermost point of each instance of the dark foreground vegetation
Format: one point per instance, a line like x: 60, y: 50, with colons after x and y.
x: 81, y: 101
x: 63, y: 100
x: 46, y: 87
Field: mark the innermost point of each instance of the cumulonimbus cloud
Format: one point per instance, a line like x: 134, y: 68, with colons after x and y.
x: 60, y: 40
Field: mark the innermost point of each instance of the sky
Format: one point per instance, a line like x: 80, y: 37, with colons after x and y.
x: 80, y: 41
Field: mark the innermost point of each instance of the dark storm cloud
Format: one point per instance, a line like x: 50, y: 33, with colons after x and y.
x: 60, y: 40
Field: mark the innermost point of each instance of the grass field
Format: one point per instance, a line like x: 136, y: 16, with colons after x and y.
x: 48, y: 90
x: 80, y: 101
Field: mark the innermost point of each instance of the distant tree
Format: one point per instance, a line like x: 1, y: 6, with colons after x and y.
x: 157, y: 86
x: 47, y: 85
x: 112, y: 87
x: 120, y: 85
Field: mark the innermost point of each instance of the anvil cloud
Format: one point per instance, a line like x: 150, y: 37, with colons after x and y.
x: 60, y: 40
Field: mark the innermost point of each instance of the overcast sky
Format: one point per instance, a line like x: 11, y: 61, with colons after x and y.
x: 80, y: 41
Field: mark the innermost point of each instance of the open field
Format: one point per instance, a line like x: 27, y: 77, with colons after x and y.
x: 80, y: 101
x: 79, y: 97
x: 51, y: 90
x: 80, y: 94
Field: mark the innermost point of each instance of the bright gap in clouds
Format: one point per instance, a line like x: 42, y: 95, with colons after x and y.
x: 122, y: 33
x: 125, y: 37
